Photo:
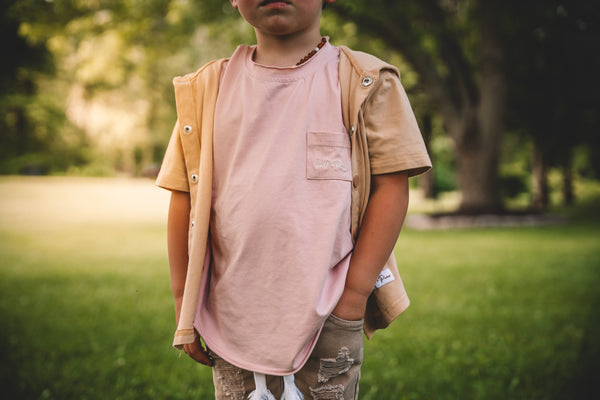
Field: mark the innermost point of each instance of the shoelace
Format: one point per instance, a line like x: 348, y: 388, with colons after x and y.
x: 290, y: 391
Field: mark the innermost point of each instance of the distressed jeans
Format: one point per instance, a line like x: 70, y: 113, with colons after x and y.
x: 331, y: 372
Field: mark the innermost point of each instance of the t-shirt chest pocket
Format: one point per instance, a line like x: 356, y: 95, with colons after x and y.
x: 328, y: 156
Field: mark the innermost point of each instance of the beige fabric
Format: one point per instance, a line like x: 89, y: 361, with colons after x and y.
x: 372, y: 98
x: 196, y: 97
x: 371, y: 91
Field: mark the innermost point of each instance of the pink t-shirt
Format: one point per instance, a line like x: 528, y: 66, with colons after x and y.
x: 280, y: 218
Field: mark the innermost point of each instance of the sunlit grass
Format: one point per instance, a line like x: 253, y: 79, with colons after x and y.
x: 87, y: 313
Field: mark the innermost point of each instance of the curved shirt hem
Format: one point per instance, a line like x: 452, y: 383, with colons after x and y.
x: 259, y: 368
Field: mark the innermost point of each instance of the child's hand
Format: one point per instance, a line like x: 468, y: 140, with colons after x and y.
x: 351, y: 306
x: 198, y: 352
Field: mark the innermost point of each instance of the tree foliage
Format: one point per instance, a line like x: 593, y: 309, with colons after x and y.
x: 22, y: 62
x: 551, y: 95
x: 454, y: 46
x: 480, y: 61
x: 90, y: 80
x: 113, y: 62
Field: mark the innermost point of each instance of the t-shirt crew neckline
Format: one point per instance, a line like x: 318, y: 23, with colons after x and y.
x: 291, y: 73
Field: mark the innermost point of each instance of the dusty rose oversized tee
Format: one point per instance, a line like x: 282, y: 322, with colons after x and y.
x: 280, y: 218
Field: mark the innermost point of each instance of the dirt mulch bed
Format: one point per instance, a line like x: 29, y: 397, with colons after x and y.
x: 461, y: 221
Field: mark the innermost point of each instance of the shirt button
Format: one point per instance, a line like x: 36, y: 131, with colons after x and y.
x: 355, y: 181
x: 352, y: 129
x: 367, y: 81
x: 194, y: 178
x: 187, y: 129
x: 193, y: 223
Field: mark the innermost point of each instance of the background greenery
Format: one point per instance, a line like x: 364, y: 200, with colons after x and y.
x: 87, y: 313
x: 500, y: 87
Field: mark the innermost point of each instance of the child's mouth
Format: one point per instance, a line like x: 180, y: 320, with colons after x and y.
x: 274, y: 4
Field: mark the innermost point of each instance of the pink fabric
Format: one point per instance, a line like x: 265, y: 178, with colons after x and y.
x: 280, y: 219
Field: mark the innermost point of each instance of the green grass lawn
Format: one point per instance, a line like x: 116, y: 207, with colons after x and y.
x: 86, y: 309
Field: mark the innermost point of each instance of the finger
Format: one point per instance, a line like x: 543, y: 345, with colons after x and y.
x: 198, y: 353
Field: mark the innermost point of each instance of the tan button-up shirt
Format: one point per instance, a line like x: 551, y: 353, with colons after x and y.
x: 384, y: 135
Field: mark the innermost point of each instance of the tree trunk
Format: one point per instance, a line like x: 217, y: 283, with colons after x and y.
x: 567, y: 173
x: 541, y: 197
x: 427, y: 180
x: 478, y: 136
x: 477, y: 155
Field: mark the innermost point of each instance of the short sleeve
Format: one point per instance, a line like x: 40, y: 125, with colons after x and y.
x: 393, y: 136
x: 172, y: 174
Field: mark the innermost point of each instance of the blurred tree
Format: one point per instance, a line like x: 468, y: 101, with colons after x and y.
x: 554, y: 94
x: 115, y: 60
x: 21, y: 62
x: 471, y: 54
x: 455, y: 47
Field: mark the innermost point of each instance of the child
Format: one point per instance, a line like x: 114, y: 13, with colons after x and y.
x: 288, y: 167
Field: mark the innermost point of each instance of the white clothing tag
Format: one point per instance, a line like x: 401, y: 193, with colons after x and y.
x: 384, y: 278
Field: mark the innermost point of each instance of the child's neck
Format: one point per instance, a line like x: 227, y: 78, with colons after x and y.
x: 283, y: 51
